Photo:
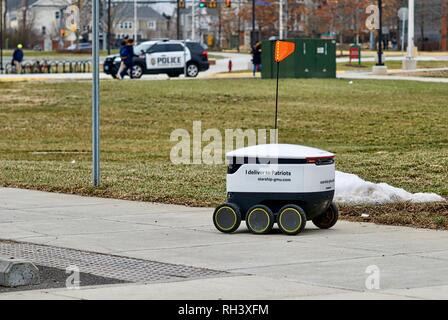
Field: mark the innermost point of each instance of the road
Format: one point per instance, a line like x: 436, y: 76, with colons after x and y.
x: 318, y: 264
x: 240, y: 62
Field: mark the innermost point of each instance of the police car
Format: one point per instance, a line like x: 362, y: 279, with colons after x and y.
x: 172, y: 57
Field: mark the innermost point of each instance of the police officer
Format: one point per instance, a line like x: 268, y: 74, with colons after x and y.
x: 123, y: 50
x: 127, y: 57
x: 256, y: 58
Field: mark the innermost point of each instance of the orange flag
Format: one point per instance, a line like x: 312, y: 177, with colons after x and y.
x: 283, y: 49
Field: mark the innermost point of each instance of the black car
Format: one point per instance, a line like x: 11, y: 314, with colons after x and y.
x: 172, y: 57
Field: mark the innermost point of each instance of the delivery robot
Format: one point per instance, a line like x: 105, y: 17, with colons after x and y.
x: 278, y: 183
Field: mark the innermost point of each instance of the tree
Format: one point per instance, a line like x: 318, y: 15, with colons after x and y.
x: 429, y: 15
x: 85, y: 8
x: 25, y: 33
x: 266, y: 16
x: 344, y: 18
x: 444, y: 25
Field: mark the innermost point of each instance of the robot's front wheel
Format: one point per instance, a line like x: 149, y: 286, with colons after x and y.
x: 260, y: 219
x: 227, y: 218
x: 291, y: 219
x: 327, y: 219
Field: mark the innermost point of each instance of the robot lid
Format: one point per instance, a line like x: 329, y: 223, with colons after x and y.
x: 279, y: 151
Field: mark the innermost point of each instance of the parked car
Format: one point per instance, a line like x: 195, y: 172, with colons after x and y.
x: 84, y: 47
x: 172, y: 57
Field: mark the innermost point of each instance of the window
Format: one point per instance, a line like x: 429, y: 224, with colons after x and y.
x: 175, y: 47
x: 196, y: 47
x: 152, y: 25
x: 126, y: 25
x: 142, y: 48
x: 159, y: 48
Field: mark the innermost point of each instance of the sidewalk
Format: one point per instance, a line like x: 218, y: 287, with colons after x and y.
x: 318, y: 264
x: 392, y: 75
x: 240, y: 62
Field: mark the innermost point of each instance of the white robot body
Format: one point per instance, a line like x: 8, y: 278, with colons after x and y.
x: 273, y: 176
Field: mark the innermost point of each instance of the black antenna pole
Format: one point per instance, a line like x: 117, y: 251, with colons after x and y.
x: 276, y: 96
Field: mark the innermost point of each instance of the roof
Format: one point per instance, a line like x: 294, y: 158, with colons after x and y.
x: 15, y: 4
x: 279, y: 151
x: 51, y: 3
x: 144, y: 11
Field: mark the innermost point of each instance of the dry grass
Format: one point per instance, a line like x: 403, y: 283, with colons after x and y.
x: 430, y: 215
x: 391, y: 64
x: 432, y: 74
x: 391, y: 131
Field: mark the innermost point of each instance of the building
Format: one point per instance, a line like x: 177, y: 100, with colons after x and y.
x: 216, y: 27
x: 45, y: 21
x: 150, y: 23
x: 206, y: 25
x: 43, y: 16
x: 36, y: 22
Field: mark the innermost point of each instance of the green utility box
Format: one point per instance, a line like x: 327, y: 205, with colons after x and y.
x: 313, y: 58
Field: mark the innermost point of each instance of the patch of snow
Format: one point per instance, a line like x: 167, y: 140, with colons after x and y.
x: 352, y: 189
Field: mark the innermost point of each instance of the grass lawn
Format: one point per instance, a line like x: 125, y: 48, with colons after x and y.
x: 391, y: 64
x: 391, y: 131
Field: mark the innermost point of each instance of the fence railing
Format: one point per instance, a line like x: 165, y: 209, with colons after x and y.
x: 62, y: 66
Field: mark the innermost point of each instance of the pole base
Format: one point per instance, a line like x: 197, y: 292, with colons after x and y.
x: 409, y: 64
x: 379, y: 70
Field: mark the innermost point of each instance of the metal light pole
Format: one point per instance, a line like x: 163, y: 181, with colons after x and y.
x: 178, y: 21
x: 280, y: 19
x: 409, y: 63
x: 1, y: 36
x: 403, y: 26
x: 285, y: 31
x: 411, y: 29
x: 239, y: 25
x: 253, y: 24
x: 193, y: 21
x: 380, y: 34
x: 403, y: 16
x: 95, y: 94
x: 109, y: 26
x: 135, y: 21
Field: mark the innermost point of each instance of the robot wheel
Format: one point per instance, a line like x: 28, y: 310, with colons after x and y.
x: 327, y: 219
x: 227, y: 217
x: 260, y: 219
x: 291, y: 219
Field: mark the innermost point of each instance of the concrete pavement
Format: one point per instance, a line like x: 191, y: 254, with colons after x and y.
x: 318, y: 264
x: 241, y: 62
